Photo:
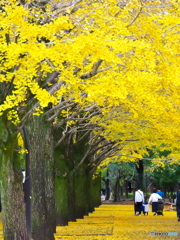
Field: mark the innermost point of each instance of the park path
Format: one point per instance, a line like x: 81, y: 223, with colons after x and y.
x: 115, y: 222
x: 111, y: 222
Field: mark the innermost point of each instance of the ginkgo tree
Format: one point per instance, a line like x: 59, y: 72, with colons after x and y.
x: 121, y: 56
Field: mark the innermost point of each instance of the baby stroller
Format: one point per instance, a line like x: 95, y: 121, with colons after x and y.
x: 160, y: 207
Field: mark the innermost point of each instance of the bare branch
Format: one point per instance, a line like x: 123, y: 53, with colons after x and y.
x: 88, y: 152
x: 36, y: 105
x: 83, y: 118
x: 57, y: 9
x: 82, y: 160
x: 58, y: 106
x: 51, y: 78
x: 94, y: 70
x: 137, y: 15
x: 105, y: 69
x: 88, y: 109
x: 64, y: 107
x: 64, y: 135
x: 56, y: 86
x: 99, y: 158
x: 84, y: 135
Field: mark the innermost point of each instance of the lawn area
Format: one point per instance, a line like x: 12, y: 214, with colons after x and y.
x: 111, y: 222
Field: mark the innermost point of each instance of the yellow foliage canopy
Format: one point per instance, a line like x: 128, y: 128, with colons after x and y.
x: 124, y: 56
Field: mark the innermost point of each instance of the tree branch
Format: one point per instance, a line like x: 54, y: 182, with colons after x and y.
x: 56, y: 11
x: 64, y: 135
x: 94, y: 70
x: 137, y: 15
x: 51, y: 78
x: 150, y: 159
x: 36, y: 105
x: 57, y: 113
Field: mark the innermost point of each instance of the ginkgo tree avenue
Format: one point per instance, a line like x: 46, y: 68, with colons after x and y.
x: 81, y: 82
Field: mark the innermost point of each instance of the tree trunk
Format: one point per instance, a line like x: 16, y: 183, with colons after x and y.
x: 126, y: 188
x: 129, y: 187
x: 42, y: 173
x: 12, y: 197
x: 95, y: 193
x: 61, y: 200
x: 121, y: 191
x: 82, y: 192
x: 71, y: 197
x: 140, y: 171
x: 117, y: 193
x: 107, y: 187
x: 0, y: 202
x: 64, y: 185
x: 61, y: 187
x: 73, y: 186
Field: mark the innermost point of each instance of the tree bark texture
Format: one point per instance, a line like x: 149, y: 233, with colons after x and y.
x: 107, y: 187
x: 42, y: 175
x: 95, y: 193
x: 140, y: 171
x: 117, y: 192
x: 12, y: 196
x: 61, y: 188
x: 73, y: 179
x: 82, y: 192
x: 126, y: 188
x: 64, y: 184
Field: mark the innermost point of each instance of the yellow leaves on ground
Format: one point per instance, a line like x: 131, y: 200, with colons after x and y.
x: 110, y: 222
x: 1, y: 229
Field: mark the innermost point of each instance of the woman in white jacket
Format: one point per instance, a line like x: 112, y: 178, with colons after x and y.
x: 154, y: 199
x: 139, y: 199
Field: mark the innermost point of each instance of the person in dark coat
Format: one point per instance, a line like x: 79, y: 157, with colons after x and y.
x: 178, y: 203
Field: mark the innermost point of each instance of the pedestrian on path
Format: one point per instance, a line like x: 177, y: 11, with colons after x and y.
x: 154, y: 198
x: 139, y: 199
x: 177, y: 195
x: 145, y: 207
x: 160, y: 192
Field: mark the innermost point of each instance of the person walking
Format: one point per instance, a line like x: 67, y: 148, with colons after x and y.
x: 177, y: 195
x: 154, y: 198
x: 160, y: 192
x: 145, y: 206
x: 139, y: 199
x: 160, y: 202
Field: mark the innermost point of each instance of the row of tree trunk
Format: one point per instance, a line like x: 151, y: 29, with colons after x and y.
x: 61, y: 191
